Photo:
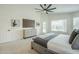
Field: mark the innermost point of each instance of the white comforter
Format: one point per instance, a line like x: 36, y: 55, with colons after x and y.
x: 61, y: 45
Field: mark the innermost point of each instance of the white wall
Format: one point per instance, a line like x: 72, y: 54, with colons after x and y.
x: 11, y: 35
x: 49, y: 17
x: 8, y: 12
x: 18, y: 12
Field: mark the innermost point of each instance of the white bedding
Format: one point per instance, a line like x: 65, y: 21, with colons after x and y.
x: 61, y: 45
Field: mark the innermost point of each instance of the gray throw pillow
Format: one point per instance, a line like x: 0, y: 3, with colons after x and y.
x: 73, y: 35
x: 75, y: 43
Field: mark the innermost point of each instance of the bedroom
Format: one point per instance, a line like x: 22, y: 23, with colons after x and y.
x: 63, y: 20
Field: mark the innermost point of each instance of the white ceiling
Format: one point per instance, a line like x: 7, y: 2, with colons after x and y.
x: 64, y: 8
x: 60, y: 8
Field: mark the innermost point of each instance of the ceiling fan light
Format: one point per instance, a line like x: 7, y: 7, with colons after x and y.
x: 44, y: 11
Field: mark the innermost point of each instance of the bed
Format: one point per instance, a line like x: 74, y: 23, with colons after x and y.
x: 58, y: 44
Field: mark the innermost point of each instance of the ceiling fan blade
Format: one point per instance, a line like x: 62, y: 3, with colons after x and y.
x: 37, y: 9
x: 52, y: 8
x: 50, y: 11
x: 41, y: 6
x: 49, y: 6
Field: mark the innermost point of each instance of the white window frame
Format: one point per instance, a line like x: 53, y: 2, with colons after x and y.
x: 44, y: 27
x: 74, y: 23
x: 55, y: 21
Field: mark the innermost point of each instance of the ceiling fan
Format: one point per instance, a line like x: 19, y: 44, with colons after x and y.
x: 46, y: 8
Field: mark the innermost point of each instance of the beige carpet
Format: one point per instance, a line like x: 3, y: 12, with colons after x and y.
x: 17, y: 47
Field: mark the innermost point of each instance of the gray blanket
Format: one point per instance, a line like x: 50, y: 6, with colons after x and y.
x: 44, y: 41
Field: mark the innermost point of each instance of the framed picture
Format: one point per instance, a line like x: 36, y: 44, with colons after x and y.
x: 15, y: 23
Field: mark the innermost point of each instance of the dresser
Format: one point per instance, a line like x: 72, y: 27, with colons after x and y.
x: 29, y: 32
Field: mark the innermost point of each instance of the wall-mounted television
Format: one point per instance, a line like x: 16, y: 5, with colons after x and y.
x: 28, y: 23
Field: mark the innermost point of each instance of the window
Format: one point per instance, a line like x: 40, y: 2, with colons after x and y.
x: 58, y: 25
x: 44, y: 27
x: 76, y: 23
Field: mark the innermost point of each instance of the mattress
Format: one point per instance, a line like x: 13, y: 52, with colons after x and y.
x: 60, y: 44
